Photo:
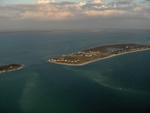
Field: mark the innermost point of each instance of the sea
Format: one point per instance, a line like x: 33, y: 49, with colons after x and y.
x: 120, y: 84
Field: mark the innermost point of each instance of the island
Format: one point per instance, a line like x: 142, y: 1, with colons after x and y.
x: 97, y: 53
x: 10, y: 67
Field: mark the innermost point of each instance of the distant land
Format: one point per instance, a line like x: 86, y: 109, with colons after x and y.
x: 74, y: 30
x: 97, y: 53
x: 10, y: 67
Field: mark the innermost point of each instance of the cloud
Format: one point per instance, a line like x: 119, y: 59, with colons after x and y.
x: 124, y: 1
x: 92, y: 14
x: 44, y: 1
x: 58, y: 11
x: 46, y: 12
x: 35, y: 11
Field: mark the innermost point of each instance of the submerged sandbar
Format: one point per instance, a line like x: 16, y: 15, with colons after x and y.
x: 97, y: 53
x: 10, y: 67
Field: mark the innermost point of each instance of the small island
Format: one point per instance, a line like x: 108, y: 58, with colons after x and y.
x: 97, y: 53
x: 10, y: 67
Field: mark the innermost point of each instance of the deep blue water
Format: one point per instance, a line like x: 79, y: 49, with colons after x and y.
x: 119, y: 84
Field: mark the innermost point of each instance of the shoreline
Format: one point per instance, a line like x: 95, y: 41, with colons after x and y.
x: 82, y: 64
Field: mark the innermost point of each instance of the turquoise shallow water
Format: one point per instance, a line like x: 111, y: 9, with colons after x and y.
x: 118, y: 84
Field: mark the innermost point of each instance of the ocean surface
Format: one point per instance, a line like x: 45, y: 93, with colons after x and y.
x: 119, y: 84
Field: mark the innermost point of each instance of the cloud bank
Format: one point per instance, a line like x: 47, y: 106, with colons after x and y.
x: 45, y: 10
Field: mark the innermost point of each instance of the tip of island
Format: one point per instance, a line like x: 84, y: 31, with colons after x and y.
x: 10, y: 67
x: 97, y: 53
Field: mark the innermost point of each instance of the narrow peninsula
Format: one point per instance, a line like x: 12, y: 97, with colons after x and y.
x: 10, y: 67
x: 97, y: 53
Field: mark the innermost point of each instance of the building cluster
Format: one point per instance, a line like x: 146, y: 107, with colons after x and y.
x: 75, y: 58
x: 129, y: 48
x: 65, y: 59
x: 87, y: 54
x: 118, y: 51
x: 138, y: 47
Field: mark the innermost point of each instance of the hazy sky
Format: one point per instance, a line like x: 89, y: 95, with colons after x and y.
x: 74, y: 14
